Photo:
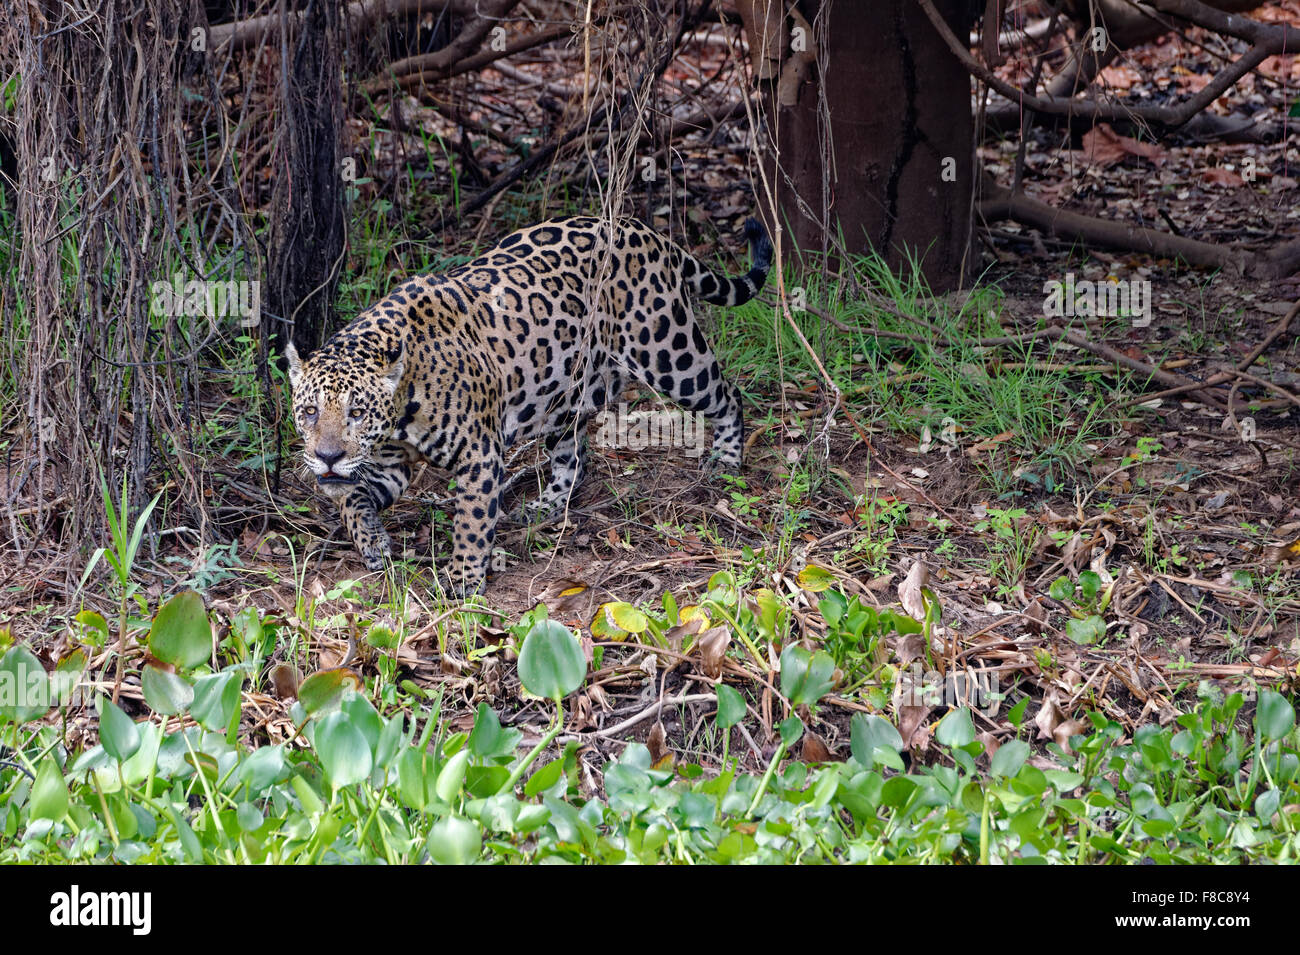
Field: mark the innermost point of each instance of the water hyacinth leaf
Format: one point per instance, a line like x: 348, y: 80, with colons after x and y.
x: 485, y: 739
x: 67, y: 674
x: 805, y: 677
x: 117, y: 731
x: 791, y: 729
x: 603, y: 626
x: 324, y: 690
x: 956, y: 729
x: 248, y: 816
x: 206, y: 764
x: 1010, y: 756
x: 343, y: 750
x: 164, y: 691
x: 216, y: 699
x: 1062, y: 589
x: 390, y: 740
x: 24, y: 686
x: 551, y: 664
x: 767, y: 613
x: 833, y: 607
x: 1274, y: 715
x: 626, y: 617
x: 1087, y: 631
x: 414, y: 785
x: 694, y: 612
x: 49, y: 798
x: 263, y: 767
x: 248, y: 625
x: 452, y: 776
x: 181, y: 633
x: 731, y: 706
x: 1265, y: 806
x: 364, y: 717
x: 815, y: 579
x: 454, y: 840
x: 94, y: 628
x: 545, y: 778
x: 145, y: 759
x: 382, y: 638
x: 870, y: 735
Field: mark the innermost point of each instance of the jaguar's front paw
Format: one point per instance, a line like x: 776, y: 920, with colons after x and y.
x: 376, y: 552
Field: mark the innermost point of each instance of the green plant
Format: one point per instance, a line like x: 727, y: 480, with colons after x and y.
x: 854, y: 633
x: 1086, y: 604
x: 125, y: 546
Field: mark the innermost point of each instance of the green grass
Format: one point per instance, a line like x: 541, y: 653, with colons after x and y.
x: 942, y: 381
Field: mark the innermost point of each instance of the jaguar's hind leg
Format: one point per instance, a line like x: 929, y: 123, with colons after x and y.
x: 685, y: 370
x: 567, y: 447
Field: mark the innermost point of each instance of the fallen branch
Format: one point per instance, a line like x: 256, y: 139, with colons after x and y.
x: 1005, y: 204
x: 1266, y: 39
x: 415, y: 71
x: 360, y: 14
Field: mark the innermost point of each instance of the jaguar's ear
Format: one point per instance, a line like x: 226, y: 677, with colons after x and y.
x: 295, y: 365
x: 395, y: 358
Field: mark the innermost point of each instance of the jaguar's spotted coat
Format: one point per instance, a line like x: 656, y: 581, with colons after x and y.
x: 530, y: 339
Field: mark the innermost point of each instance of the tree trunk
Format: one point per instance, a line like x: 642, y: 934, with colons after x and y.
x: 307, y: 229
x: 873, y: 130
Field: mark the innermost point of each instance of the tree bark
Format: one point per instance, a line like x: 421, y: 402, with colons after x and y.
x: 873, y: 131
x: 307, y: 229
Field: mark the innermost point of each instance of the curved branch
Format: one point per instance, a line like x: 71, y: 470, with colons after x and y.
x: 1268, y: 41
x: 429, y: 67
x: 1005, y: 204
x: 245, y: 33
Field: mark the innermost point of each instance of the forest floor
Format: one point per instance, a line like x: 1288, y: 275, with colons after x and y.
x: 987, y: 474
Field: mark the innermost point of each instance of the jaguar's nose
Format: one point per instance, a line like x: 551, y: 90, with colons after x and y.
x: 329, y: 456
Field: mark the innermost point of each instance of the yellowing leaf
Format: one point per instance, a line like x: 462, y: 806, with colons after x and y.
x: 626, y: 617
x: 815, y: 579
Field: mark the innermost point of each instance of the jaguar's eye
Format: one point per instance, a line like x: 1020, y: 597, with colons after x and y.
x: 309, y: 411
x: 355, y: 413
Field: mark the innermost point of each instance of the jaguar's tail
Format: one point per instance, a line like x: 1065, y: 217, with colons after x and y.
x: 722, y: 290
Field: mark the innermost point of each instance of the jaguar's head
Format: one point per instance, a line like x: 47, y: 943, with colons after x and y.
x: 343, y: 406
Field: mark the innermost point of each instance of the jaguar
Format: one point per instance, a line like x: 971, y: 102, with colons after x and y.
x: 528, y: 340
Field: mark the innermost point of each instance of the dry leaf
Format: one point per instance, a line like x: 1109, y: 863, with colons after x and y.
x: 1220, y: 176
x: 1065, y: 730
x: 909, y: 648
x: 713, y: 649
x: 1049, y: 716
x: 284, y: 679
x: 661, y: 756
x: 1035, y: 617
x: 814, y: 750
x: 909, y: 591
x: 581, y: 715
x: 1105, y: 147
x: 910, y: 721
x: 989, y: 742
